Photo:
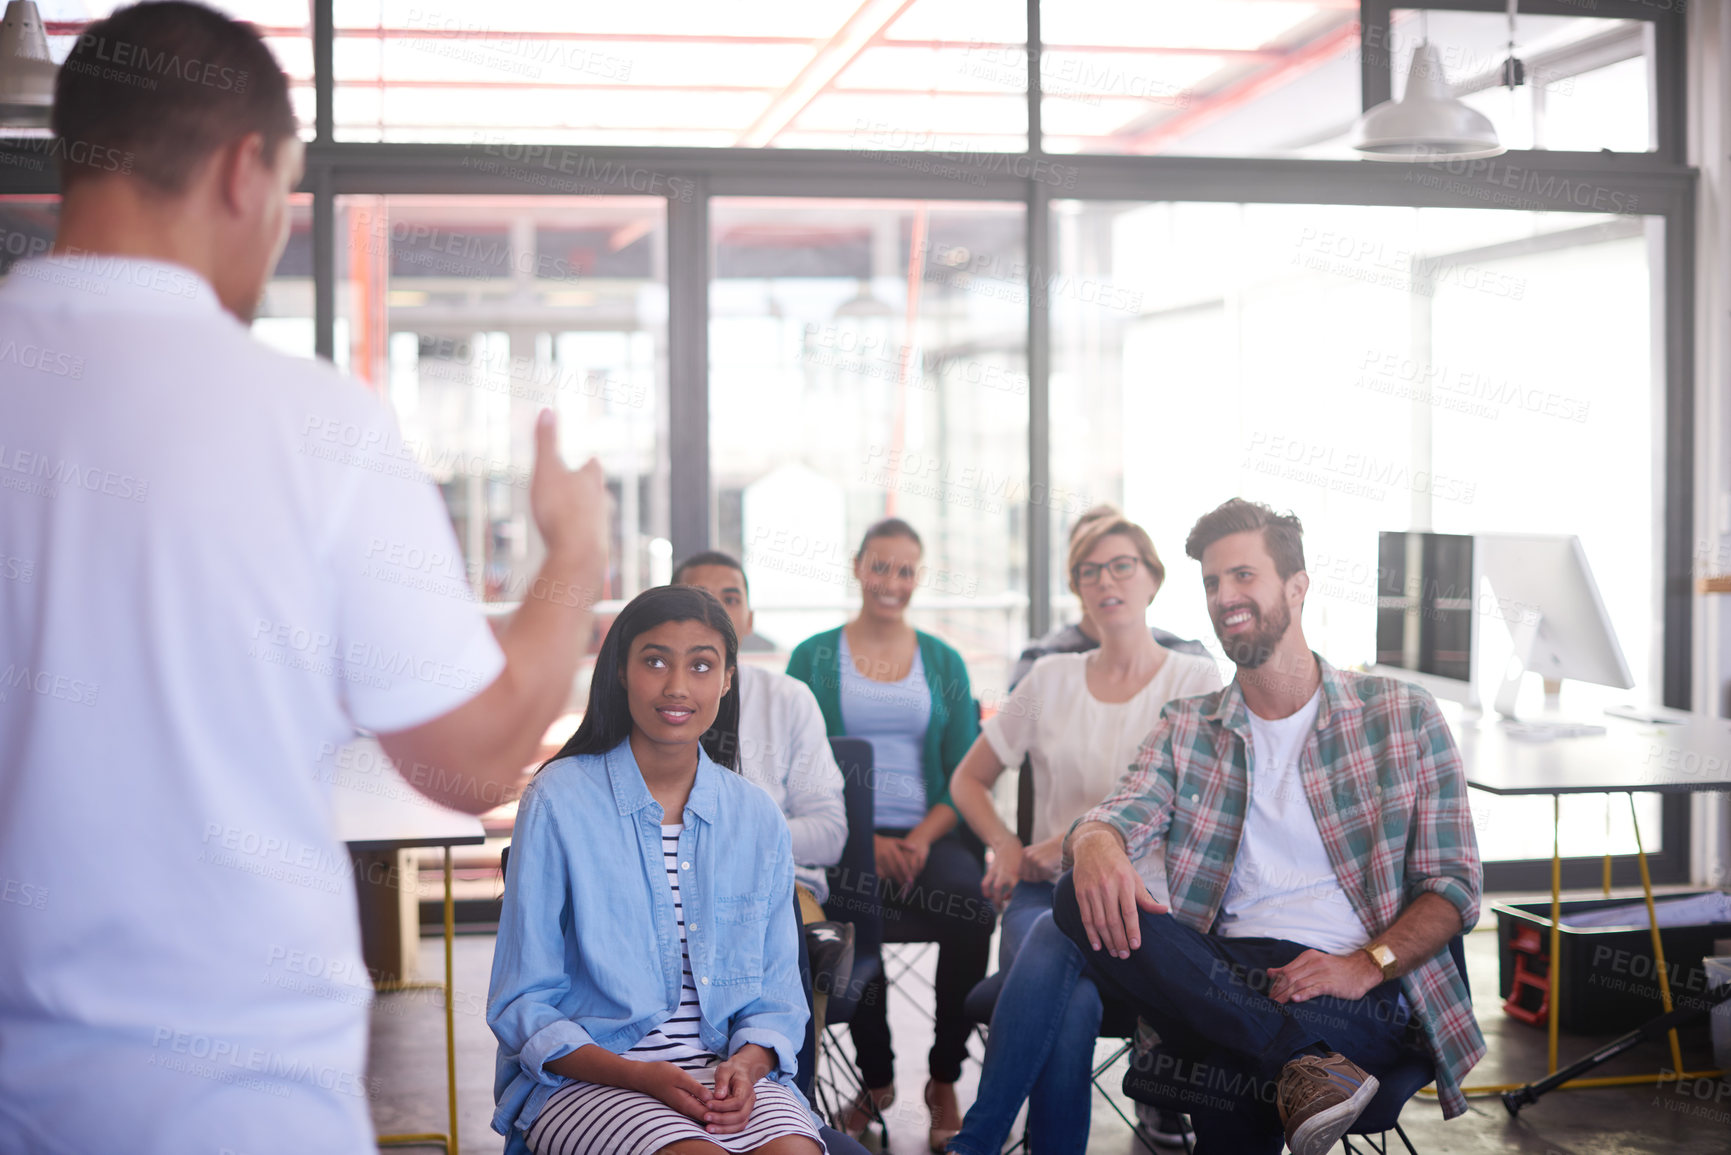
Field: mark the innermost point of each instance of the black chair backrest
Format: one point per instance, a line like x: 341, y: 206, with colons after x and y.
x: 1458, y: 950
x: 1025, y: 802
x: 853, y: 880
x: 808, y: 1047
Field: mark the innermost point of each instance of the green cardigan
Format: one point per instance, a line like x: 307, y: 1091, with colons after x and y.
x: 955, y: 721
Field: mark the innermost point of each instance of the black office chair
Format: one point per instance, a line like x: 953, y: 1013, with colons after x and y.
x: 1398, y: 1083
x: 835, y: 1084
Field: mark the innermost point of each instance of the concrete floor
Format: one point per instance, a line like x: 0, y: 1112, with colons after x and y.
x: 1679, y: 1119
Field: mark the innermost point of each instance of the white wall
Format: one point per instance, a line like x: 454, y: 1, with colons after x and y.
x: 1709, y: 118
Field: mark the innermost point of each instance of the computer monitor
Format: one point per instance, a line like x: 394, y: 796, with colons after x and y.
x: 1543, y: 591
x: 1426, y: 630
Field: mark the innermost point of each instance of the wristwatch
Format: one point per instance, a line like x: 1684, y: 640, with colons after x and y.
x: 1383, y: 957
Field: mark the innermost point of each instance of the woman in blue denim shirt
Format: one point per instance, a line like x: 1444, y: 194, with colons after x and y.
x: 645, y: 989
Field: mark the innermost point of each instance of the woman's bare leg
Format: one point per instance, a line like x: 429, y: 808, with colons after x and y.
x: 789, y: 1145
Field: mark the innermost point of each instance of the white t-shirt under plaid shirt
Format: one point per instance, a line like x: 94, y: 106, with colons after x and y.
x: 675, y: 1041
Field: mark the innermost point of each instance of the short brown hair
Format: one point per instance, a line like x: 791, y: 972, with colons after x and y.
x: 156, y: 88
x: 1282, y: 533
x: 1091, y: 529
x: 1094, y: 513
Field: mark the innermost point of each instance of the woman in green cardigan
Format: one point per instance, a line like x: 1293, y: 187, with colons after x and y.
x: 907, y: 693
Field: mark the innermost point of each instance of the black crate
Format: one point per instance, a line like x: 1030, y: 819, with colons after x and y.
x: 1607, y: 981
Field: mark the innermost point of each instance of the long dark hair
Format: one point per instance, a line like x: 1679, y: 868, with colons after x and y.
x: 607, y: 721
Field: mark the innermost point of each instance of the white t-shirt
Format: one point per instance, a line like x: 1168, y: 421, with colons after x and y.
x: 1282, y: 884
x: 784, y: 748
x: 219, y: 561
x: 1080, y: 746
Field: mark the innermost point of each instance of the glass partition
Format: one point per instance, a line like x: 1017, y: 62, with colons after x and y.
x: 471, y: 314
x: 869, y: 359
x: 1375, y: 369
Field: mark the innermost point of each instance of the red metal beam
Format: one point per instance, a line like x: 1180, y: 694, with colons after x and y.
x: 833, y: 58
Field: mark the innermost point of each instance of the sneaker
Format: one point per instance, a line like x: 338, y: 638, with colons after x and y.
x: 1162, y: 1127
x: 830, y: 945
x: 1320, y: 1096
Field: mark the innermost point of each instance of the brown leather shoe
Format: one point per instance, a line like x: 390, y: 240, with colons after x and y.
x: 946, y: 1115
x: 867, y: 1108
x: 1320, y: 1096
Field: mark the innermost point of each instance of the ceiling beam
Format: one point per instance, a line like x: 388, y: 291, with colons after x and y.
x: 860, y: 30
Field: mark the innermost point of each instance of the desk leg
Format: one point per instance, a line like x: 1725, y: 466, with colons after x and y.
x: 1607, y: 880
x: 1653, y: 924
x: 428, y: 1138
x: 450, y: 1020
x: 1676, y: 1073
x: 1553, y: 968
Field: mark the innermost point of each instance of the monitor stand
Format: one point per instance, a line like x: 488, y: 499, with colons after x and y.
x: 1526, y: 636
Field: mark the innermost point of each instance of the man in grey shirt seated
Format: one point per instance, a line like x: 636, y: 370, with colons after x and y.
x: 1082, y: 637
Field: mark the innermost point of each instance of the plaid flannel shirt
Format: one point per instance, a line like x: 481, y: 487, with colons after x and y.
x: 1384, y: 781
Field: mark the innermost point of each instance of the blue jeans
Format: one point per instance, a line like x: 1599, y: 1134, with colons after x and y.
x: 1041, y: 1045
x: 1223, y: 1040
x: 1027, y: 902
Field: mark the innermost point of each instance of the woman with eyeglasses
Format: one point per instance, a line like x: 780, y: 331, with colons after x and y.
x: 1078, y: 718
x: 907, y: 693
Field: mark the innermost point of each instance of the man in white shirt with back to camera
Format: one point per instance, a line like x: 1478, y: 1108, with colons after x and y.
x: 199, y: 606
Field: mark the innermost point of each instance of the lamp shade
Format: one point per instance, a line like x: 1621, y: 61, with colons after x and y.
x: 26, y: 69
x: 1427, y: 122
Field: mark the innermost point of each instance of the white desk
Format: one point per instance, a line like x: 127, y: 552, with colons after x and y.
x: 1675, y: 758
x: 1630, y: 757
x: 377, y: 810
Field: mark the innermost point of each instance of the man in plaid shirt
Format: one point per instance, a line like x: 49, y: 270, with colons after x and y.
x: 1320, y: 855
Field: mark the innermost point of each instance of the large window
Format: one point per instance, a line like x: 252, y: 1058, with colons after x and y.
x: 868, y: 359
x: 471, y: 314
x: 1374, y: 369
x: 788, y: 267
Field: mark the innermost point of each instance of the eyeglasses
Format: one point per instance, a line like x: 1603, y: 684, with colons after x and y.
x: 1119, y: 567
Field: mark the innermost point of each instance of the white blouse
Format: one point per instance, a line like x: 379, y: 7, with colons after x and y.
x: 1080, y: 746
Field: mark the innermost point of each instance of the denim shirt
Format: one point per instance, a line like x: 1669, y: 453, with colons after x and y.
x: 588, y: 950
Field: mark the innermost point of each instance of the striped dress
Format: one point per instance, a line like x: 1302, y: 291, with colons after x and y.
x: 595, y: 1119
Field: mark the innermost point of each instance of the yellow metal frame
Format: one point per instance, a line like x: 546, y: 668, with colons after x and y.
x: 1676, y: 1073
x: 431, y: 1138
